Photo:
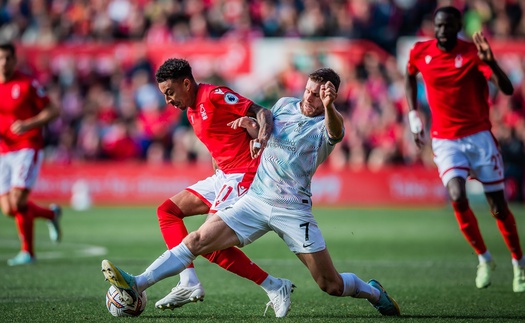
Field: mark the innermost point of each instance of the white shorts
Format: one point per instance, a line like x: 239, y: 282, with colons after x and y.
x: 251, y: 218
x: 19, y: 169
x: 221, y: 190
x: 476, y: 156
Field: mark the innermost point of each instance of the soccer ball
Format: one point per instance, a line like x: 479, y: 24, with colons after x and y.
x: 117, y: 307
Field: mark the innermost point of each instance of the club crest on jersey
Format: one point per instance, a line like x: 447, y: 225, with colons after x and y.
x: 458, y: 62
x: 15, y: 91
x: 241, y: 190
x: 231, y: 98
x: 428, y: 58
x: 203, y: 112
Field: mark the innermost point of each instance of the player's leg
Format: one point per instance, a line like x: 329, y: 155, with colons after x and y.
x: 249, y: 219
x: 197, y: 199
x: 347, y: 284
x: 488, y: 168
x: 508, y: 228
x: 454, y: 166
x: 25, y: 225
x: 212, y: 235
x: 170, y: 215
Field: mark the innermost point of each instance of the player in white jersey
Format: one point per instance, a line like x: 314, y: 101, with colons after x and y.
x: 305, y: 132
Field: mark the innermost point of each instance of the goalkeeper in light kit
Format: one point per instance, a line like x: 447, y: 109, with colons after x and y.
x: 455, y: 73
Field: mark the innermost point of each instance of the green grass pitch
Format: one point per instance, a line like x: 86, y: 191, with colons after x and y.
x: 418, y: 255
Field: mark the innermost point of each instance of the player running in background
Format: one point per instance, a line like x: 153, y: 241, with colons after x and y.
x: 455, y: 73
x: 305, y: 132
x: 210, y: 110
x: 24, y: 110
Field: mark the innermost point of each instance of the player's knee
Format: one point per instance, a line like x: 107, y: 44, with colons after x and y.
x: 456, y: 190
x: 499, y: 211
x: 169, y: 211
x: 8, y: 211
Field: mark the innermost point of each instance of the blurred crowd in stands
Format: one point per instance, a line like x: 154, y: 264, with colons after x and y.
x: 117, y: 113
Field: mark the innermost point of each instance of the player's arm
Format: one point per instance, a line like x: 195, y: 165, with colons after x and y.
x: 264, y: 119
x: 248, y: 123
x: 333, y: 119
x: 485, y: 54
x: 416, y: 125
x: 46, y: 115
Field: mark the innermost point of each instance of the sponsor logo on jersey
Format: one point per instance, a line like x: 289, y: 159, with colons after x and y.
x: 231, y: 98
x: 218, y: 91
x: 15, y: 91
x: 428, y: 58
x: 203, y: 112
x: 458, y: 62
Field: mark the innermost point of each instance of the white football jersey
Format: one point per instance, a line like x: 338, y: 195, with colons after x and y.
x: 297, y: 146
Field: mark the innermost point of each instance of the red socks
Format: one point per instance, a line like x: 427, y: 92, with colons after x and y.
x: 509, y: 231
x: 25, y: 223
x: 235, y: 261
x: 232, y: 259
x: 469, y: 226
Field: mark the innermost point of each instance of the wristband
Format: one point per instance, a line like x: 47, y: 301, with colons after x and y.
x: 416, y: 126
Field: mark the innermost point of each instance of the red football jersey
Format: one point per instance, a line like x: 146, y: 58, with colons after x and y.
x: 20, y: 98
x: 214, y: 108
x: 456, y: 87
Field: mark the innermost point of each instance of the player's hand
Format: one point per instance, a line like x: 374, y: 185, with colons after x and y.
x: 18, y: 127
x: 327, y: 93
x: 257, y: 145
x: 484, y: 51
x: 416, y: 128
x: 243, y: 122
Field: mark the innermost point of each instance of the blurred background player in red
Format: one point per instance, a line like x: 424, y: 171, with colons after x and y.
x: 24, y: 110
x: 211, y: 110
x: 455, y: 73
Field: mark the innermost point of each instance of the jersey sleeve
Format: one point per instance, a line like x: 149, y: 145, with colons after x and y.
x: 412, y: 64
x: 224, y: 97
x: 279, y: 104
x: 38, y: 95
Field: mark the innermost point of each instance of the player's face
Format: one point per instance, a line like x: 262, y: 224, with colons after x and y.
x: 312, y: 105
x: 446, y: 29
x: 177, y: 93
x: 7, y: 63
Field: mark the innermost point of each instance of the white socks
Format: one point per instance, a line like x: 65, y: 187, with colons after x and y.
x: 520, y: 262
x: 271, y: 284
x: 357, y: 288
x: 485, y: 257
x: 188, y: 277
x: 170, y: 263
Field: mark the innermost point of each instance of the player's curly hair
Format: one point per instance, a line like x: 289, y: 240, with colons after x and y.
x: 174, y: 69
x: 325, y: 74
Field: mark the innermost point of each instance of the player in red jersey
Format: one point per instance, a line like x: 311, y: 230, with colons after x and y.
x: 211, y: 111
x: 24, y: 109
x: 455, y: 73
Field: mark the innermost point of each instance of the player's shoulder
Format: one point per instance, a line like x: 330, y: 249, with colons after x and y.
x: 466, y: 45
x: 284, y: 103
x: 423, y: 45
x: 220, y: 94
